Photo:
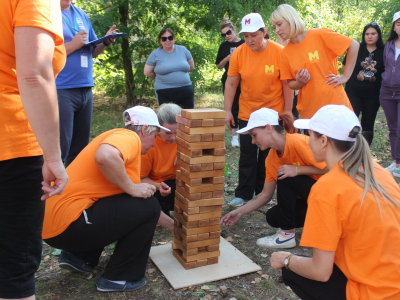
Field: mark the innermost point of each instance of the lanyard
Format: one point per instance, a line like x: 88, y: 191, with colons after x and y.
x: 74, y: 29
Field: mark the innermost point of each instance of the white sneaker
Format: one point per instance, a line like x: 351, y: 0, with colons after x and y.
x: 235, y: 141
x: 396, y: 172
x: 277, y: 241
x: 391, y: 167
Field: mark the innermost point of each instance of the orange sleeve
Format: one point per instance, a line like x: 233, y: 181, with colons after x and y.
x: 147, y: 163
x: 286, y: 72
x: 322, y: 228
x: 127, y: 143
x: 44, y: 14
x: 234, y: 63
x: 335, y: 42
x: 270, y: 168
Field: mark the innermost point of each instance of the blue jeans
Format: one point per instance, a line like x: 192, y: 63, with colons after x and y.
x: 75, y: 109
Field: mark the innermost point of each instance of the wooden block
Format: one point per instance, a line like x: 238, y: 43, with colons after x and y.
x: 219, y: 122
x: 207, y: 122
x: 207, y: 166
x: 203, y: 236
x: 203, y: 113
x: 191, y: 224
x: 191, y: 153
x: 196, y: 217
x: 190, y: 197
x: 188, y: 252
x: 203, y: 223
x: 216, y: 151
x: 187, y: 122
x: 178, y: 233
x: 187, y: 210
x: 179, y: 182
x: 207, y: 209
x: 213, y: 248
x: 202, y: 174
x: 201, y: 263
x: 212, y: 260
x: 201, y: 255
x: 217, y: 194
x: 203, y: 188
x: 191, y: 182
x: 216, y: 180
x: 202, y: 248
x: 204, y: 130
x: 205, y: 202
x: 186, y: 265
x: 188, y: 167
x: 217, y: 137
x: 208, y: 137
x: 207, y: 195
x: 204, y: 159
x: 194, y: 138
x: 200, y: 145
x: 213, y: 235
x: 199, y: 230
x: 219, y: 165
x: 178, y: 209
x: 175, y: 246
x: 177, y: 223
x: 200, y: 243
x: 214, y: 221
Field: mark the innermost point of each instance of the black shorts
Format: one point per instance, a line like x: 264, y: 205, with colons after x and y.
x: 182, y: 96
x: 21, y: 222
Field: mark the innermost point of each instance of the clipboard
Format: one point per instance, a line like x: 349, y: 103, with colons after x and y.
x: 105, y: 38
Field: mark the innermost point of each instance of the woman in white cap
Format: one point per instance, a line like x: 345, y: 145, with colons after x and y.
x: 290, y: 167
x: 390, y: 92
x: 353, y: 218
x: 256, y: 65
x: 310, y: 61
x: 105, y: 202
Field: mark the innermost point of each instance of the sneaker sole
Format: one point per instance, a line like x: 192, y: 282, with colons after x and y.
x: 117, y: 290
x: 283, y: 246
x: 69, y: 267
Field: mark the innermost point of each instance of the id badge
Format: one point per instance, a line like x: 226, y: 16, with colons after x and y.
x: 84, y: 61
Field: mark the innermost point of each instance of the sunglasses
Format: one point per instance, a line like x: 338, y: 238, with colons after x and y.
x: 164, y: 38
x: 229, y: 32
x: 373, y: 24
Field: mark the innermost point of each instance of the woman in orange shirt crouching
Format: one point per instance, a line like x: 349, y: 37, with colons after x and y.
x: 159, y: 163
x: 290, y: 167
x: 353, y: 218
x: 309, y: 61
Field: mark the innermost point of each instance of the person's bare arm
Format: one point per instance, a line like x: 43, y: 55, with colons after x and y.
x: 191, y: 64
x: 166, y: 221
x: 302, y: 77
x: 111, y: 164
x: 223, y: 62
x: 100, y: 47
x: 288, y: 95
x: 35, y: 75
x: 149, y: 71
x: 77, y: 42
x: 231, y: 85
x: 292, y: 171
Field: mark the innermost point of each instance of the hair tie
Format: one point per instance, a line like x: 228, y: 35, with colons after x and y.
x: 355, y: 131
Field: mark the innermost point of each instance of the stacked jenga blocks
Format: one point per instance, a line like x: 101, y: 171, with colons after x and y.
x: 199, y: 192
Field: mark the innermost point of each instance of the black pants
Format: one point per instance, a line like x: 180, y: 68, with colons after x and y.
x: 182, y: 96
x: 307, y: 289
x: 21, y: 222
x: 290, y: 212
x: 235, y: 104
x: 251, y: 167
x: 368, y: 107
x: 130, y: 221
x: 167, y: 203
x: 294, y: 108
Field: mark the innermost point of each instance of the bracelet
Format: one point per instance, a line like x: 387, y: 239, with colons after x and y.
x: 296, y: 171
x: 106, y: 44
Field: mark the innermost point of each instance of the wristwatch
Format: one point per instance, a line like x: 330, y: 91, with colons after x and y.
x: 287, y: 261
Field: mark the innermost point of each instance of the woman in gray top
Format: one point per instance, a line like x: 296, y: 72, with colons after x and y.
x: 170, y: 65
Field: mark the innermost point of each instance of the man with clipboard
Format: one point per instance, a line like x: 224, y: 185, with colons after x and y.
x: 74, y: 83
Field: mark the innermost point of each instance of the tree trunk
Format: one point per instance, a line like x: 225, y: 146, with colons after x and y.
x: 126, y: 57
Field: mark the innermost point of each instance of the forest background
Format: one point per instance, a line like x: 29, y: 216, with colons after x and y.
x: 118, y: 72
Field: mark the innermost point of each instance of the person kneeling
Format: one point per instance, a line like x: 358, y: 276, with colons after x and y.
x: 290, y: 167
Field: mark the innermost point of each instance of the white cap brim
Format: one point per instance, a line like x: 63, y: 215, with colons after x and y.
x: 302, y: 124
x: 162, y: 127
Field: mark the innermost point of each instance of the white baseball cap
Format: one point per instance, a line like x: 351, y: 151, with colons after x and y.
x: 334, y: 121
x: 142, y: 115
x: 260, y: 118
x: 252, y: 22
x: 396, y: 16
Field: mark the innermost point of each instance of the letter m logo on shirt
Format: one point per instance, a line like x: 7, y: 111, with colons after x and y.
x: 297, y: 164
x: 269, y: 70
x: 314, y: 57
x: 247, y: 22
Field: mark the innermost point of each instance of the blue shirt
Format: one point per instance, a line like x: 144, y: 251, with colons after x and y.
x: 73, y: 75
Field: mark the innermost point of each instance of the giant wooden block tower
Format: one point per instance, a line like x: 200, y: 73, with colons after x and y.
x: 199, y: 186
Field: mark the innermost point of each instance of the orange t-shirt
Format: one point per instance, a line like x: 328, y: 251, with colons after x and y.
x: 318, y: 53
x: 297, y: 152
x: 87, y: 184
x: 366, y: 242
x: 158, y: 162
x: 259, y: 78
x: 16, y: 136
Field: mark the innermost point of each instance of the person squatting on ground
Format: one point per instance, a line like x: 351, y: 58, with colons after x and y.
x: 309, y: 61
x: 390, y: 92
x: 255, y: 64
x: 105, y: 202
x: 353, y: 218
x: 232, y: 41
x: 75, y: 81
x: 364, y: 85
x: 159, y: 165
x: 31, y: 55
x: 290, y: 167
x: 170, y: 65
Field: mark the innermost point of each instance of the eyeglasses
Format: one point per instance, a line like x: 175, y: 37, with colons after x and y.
x: 373, y: 24
x: 229, y: 32
x: 164, y: 38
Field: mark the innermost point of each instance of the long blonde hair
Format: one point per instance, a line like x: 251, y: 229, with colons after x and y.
x: 288, y: 13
